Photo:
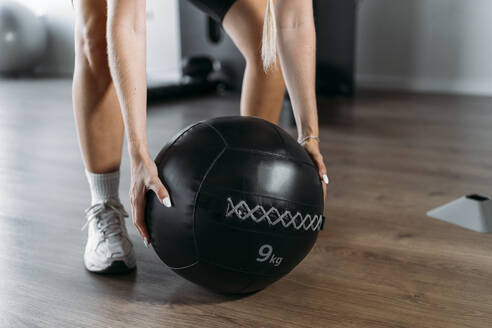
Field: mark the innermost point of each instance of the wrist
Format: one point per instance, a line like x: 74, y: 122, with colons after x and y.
x: 308, y: 125
x: 306, y: 131
x: 308, y: 139
x: 138, y: 152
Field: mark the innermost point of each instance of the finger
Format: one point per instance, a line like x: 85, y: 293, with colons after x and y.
x: 321, y: 169
x: 322, y: 173
x: 160, y: 191
x: 134, y: 220
x: 139, y: 218
x: 134, y: 214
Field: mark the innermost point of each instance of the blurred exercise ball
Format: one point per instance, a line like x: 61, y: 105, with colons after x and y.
x: 23, y: 38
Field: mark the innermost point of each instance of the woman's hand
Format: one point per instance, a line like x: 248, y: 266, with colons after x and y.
x: 144, y: 177
x: 312, y: 147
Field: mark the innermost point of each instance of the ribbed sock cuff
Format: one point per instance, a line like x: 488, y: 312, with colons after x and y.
x: 103, y: 186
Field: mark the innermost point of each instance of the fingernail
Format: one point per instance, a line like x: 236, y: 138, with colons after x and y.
x: 167, y: 201
x: 146, y: 243
x: 325, y: 179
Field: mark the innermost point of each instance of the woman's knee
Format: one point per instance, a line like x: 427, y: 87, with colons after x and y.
x: 244, y: 23
x: 90, y: 41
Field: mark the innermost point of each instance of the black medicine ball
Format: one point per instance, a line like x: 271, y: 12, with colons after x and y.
x: 247, y: 204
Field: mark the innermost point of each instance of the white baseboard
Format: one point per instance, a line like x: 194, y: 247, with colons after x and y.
x: 466, y: 87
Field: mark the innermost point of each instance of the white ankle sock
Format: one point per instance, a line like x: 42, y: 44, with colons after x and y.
x: 103, y: 186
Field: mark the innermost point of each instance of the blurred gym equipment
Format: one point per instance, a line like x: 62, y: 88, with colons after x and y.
x: 23, y: 38
x: 199, y: 76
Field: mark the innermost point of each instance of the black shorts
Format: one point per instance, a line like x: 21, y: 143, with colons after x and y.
x: 216, y: 9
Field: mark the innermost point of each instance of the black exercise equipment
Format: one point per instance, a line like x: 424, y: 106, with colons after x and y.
x: 247, y: 204
x: 200, y: 75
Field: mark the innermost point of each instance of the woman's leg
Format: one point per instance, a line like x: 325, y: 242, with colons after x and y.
x: 262, y: 93
x: 100, y: 128
x: 97, y: 112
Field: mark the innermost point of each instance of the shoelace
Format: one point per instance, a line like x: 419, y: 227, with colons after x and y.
x: 108, y: 216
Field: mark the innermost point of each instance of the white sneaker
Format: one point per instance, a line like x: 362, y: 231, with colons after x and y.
x: 108, y: 248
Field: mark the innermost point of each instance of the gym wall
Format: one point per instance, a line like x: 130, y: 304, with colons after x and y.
x: 420, y: 45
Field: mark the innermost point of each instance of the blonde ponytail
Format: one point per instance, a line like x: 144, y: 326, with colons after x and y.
x: 269, y: 39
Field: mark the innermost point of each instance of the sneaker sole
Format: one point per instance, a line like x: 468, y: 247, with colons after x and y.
x: 115, y: 268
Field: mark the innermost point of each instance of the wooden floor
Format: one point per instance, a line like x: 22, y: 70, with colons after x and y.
x: 380, y: 262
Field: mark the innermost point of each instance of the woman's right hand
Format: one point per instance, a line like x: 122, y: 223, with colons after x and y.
x: 144, y: 177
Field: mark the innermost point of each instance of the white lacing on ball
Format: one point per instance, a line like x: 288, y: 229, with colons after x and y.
x: 273, y: 216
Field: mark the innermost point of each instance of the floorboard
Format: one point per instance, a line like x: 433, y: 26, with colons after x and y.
x: 380, y: 262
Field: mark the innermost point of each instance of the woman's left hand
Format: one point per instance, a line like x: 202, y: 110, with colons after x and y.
x: 312, y: 147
